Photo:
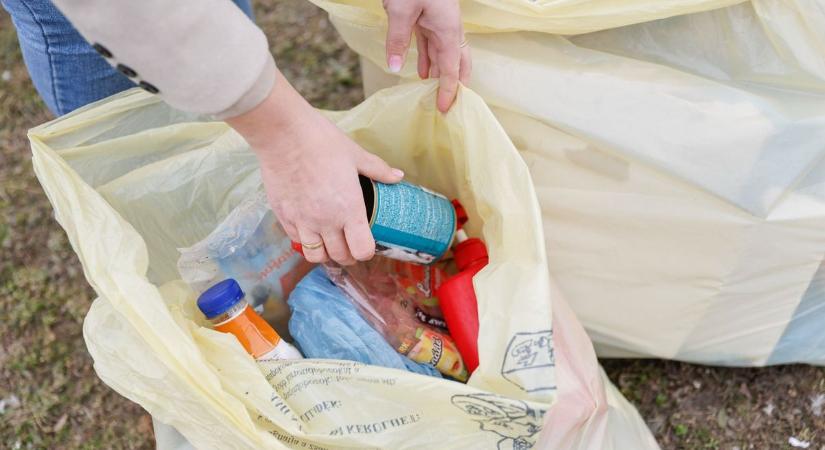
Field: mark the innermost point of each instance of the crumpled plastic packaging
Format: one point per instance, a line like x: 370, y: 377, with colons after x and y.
x: 250, y: 246
x: 326, y: 324
x: 384, y: 301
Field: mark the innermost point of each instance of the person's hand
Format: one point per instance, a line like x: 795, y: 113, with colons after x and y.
x: 439, y: 38
x: 310, y: 171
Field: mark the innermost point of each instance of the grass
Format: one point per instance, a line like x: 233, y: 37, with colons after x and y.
x: 52, y: 397
x: 696, y: 407
x: 61, y: 404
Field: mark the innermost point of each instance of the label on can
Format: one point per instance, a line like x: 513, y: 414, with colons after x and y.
x: 411, y: 223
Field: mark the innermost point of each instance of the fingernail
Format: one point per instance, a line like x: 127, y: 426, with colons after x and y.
x: 398, y: 173
x: 395, y: 63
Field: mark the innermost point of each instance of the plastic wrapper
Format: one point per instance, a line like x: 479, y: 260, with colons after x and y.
x: 326, y: 324
x: 394, y: 312
x: 251, y: 247
x: 419, y: 283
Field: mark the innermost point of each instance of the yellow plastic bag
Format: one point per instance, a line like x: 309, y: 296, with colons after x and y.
x: 132, y: 180
x: 679, y: 169
x: 546, y: 16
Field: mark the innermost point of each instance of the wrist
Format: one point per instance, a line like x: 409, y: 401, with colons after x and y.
x: 275, y: 117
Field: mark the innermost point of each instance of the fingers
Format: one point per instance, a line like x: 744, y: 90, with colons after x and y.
x: 353, y: 242
x: 449, y: 61
x: 423, y: 55
x: 402, y: 17
x: 290, y: 230
x: 335, y: 245
x: 359, y: 238
x: 466, y: 68
x: 373, y: 167
x: 438, y: 33
x: 337, y: 248
x: 310, y: 238
x: 432, y: 51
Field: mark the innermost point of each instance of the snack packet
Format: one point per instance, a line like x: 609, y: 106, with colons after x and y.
x: 390, y: 307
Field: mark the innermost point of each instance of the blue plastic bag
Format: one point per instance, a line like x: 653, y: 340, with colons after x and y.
x: 325, y: 324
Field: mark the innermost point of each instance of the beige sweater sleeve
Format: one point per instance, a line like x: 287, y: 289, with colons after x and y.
x: 202, y: 56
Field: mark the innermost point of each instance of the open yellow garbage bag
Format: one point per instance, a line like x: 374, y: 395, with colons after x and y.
x: 547, y: 16
x: 679, y: 165
x: 132, y: 180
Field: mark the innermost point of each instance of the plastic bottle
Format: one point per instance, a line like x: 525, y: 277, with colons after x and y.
x: 225, y: 307
x: 458, y: 299
x: 274, y: 309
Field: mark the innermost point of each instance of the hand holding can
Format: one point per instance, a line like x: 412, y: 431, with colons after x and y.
x: 408, y: 222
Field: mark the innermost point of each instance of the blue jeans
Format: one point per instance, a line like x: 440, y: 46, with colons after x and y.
x: 67, y: 72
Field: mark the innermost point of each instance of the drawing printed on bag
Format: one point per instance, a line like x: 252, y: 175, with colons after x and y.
x: 516, y: 423
x: 529, y: 361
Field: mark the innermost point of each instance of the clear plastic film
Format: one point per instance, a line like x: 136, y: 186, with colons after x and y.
x: 250, y: 247
x: 391, y: 310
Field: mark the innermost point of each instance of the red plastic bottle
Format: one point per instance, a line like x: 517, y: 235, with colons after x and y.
x: 458, y: 298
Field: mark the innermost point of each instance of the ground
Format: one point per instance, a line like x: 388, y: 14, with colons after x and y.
x: 51, y: 398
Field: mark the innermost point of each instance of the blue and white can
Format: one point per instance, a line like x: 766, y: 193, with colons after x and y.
x: 409, y: 222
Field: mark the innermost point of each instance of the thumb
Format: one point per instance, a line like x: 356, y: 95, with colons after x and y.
x: 399, y: 32
x: 377, y: 169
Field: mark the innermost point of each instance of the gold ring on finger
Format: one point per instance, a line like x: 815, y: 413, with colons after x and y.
x: 313, y: 246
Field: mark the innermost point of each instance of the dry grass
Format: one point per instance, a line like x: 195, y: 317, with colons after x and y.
x: 43, y: 298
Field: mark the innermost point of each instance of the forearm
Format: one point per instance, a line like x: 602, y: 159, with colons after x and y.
x: 202, y: 56
x: 279, y: 113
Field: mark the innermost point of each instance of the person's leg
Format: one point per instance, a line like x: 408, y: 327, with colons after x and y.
x: 66, y: 70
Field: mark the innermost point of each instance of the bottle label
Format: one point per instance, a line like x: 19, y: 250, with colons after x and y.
x: 230, y: 314
x: 281, y: 351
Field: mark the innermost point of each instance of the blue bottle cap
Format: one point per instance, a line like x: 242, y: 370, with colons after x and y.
x: 219, y: 298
